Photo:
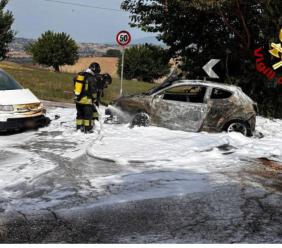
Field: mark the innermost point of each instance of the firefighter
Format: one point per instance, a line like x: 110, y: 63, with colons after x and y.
x: 103, y: 81
x: 85, y: 90
x: 106, y: 81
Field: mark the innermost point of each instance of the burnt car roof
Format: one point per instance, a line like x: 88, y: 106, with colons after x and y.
x: 209, y: 84
x: 194, y: 82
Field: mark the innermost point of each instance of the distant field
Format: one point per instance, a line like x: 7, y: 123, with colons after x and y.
x: 108, y: 65
x: 53, y: 86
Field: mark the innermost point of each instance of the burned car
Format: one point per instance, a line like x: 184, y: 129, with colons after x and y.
x: 189, y: 105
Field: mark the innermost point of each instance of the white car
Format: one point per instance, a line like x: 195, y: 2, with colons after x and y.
x: 20, y: 109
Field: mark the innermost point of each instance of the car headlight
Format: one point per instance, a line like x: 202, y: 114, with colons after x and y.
x: 41, y: 106
x: 7, y: 108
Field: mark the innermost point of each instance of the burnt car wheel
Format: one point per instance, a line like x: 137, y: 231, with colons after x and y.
x: 110, y: 116
x: 140, y: 120
x: 238, y: 126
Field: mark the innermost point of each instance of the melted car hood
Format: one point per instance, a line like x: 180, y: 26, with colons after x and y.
x: 14, y: 97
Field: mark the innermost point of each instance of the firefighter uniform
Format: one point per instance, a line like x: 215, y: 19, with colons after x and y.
x: 85, y: 91
x: 103, y: 81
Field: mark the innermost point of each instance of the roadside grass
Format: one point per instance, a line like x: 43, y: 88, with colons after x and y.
x: 52, y: 86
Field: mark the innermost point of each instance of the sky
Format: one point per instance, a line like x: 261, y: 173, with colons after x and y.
x: 84, y: 24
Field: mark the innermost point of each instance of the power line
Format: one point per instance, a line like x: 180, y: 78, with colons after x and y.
x: 83, y: 5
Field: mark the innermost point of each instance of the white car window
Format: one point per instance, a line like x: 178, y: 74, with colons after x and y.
x: 8, y: 83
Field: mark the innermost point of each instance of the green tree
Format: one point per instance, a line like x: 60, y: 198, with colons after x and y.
x: 6, y: 33
x: 54, y: 49
x: 113, y: 53
x: 145, y: 62
x: 199, y: 30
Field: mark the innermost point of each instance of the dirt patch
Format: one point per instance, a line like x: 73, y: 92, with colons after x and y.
x: 12, y: 65
x: 267, y: 173
x: 108, y: 65
x: 268, y: 169
x: 271, y: 164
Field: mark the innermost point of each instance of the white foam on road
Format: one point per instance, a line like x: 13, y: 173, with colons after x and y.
x: 18, y: 167
x: 121, y: 144
x: 154, y: 144
x: 162, y: 163
x: 16, y: 139
x: 150, y: 161
x: 151, y: 146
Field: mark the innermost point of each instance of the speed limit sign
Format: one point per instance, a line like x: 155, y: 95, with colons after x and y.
x: 123, y: 38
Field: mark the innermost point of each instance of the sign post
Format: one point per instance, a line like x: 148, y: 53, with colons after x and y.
x: 123, y: 38
x: 122, y: 70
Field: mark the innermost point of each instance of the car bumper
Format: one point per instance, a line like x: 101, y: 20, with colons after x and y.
x: 17, y: 124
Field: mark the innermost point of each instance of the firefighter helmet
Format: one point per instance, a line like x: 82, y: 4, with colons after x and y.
x: 95, y: 67
x: 107, y: 79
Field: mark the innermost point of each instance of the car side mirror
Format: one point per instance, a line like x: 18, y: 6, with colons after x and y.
x: 158, y: 97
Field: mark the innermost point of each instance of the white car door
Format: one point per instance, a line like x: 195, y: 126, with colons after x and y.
x: 180, y: 107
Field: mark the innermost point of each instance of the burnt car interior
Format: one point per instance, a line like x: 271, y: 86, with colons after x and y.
x: 220, y: 94
x: 193, y: 94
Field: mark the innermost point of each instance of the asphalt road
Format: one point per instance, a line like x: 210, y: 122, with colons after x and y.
x: 228, y: 214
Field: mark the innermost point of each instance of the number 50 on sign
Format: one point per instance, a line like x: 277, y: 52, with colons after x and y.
x: 123, y: 38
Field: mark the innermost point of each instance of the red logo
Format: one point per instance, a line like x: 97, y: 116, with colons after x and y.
x: 263, y: 67
x: 263, y: 63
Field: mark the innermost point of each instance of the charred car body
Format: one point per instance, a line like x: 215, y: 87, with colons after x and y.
x: 20, y: 109
x: 190, y: 105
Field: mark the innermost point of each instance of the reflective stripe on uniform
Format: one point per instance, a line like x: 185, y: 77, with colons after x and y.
x: 95, y: 115
x: 87, y: 123
x: 79, y: 122
x: 85, y: 100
